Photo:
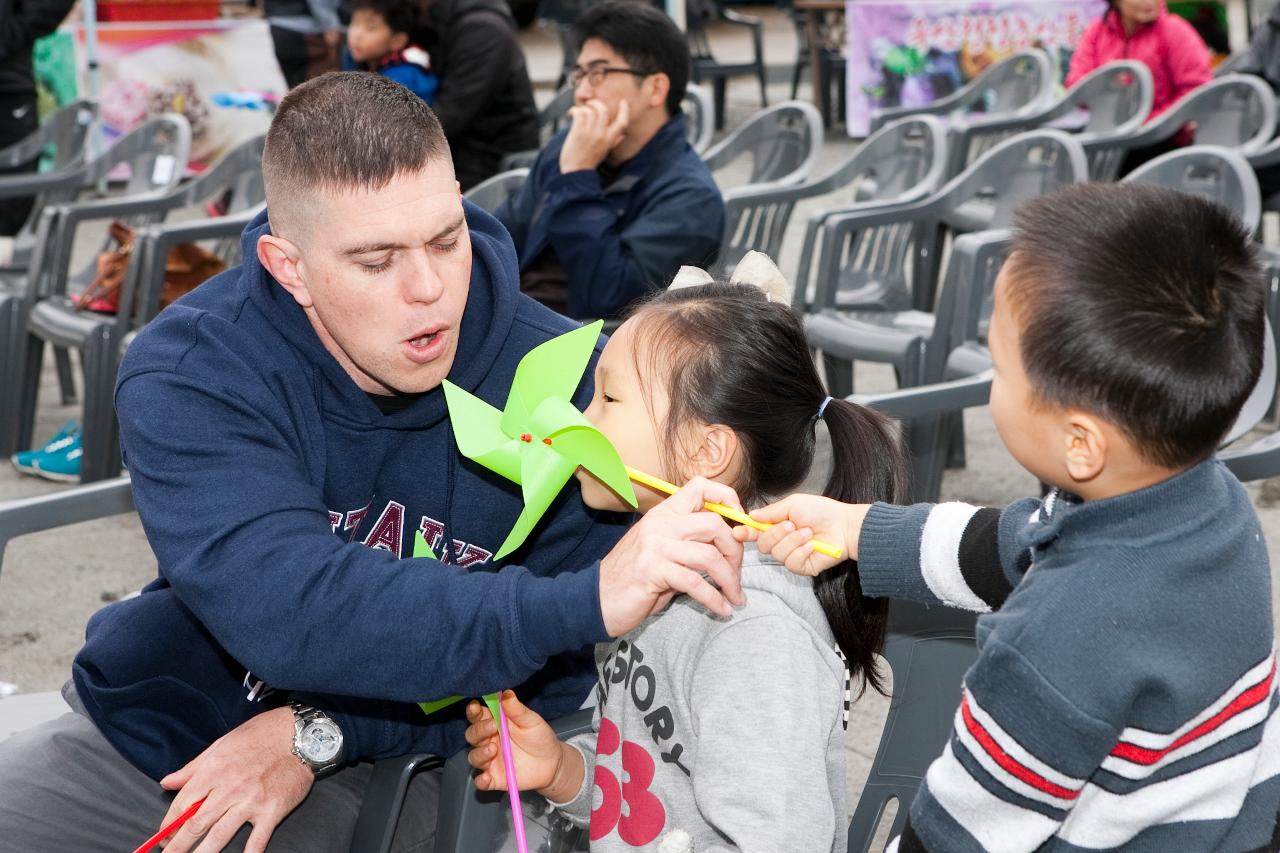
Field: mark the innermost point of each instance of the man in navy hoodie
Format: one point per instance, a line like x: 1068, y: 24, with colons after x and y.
x: 287, y: 437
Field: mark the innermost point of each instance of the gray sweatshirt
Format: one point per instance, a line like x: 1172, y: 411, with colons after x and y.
x: 720, y: 734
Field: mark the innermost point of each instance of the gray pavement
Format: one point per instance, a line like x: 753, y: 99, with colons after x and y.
x: 52, y: 582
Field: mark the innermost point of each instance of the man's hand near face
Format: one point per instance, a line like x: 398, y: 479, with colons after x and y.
x: 677, y: 547
x: 592, y: 136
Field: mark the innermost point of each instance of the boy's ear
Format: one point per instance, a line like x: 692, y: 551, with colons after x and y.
x: 1085, y: 448
x: 399, y: 41
x: 283, y: 260
x: 716, y: 453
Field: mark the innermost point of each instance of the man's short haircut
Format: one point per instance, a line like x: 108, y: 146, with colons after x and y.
x: 344, y: 131
x: 645, y: 37
x: 1142, y: 305
x: 399, y: 14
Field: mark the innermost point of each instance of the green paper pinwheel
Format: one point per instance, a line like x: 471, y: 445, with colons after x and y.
x: 540, y: 438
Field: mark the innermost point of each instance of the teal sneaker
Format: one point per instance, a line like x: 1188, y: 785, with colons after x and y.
x: 63, y: 464
x: 23, y: 461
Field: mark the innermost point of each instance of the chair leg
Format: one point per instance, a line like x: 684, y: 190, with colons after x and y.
x: 801, y: 61
x: 719, y: 87
x: 66, y: 379
x: 10, y: 373
x: 28, y: 389
x: 101, y: 434
x: 839, y: 375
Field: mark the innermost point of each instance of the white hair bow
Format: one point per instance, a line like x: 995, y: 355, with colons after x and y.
x: 755, y: 269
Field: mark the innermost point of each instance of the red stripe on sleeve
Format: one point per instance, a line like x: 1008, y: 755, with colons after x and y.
x: 1006, y: 761
x: 1246, y: 700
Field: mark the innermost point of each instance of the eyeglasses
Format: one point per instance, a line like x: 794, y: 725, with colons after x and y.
x: 595, y: 74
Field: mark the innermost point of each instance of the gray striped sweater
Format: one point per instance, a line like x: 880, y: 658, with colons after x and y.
x: 1124, y: 695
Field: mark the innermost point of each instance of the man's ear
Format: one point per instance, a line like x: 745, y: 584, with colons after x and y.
x: 659, y: 86
x: 399, y: 41
x: 1085, y: 448
x: 717, y: 451
x: 283, y: 260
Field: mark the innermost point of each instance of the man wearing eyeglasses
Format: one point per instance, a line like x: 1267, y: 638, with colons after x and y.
x: 619, y: 201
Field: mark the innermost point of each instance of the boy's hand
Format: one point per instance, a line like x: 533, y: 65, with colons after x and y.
x: 800, y: 519
x: 543, y: 763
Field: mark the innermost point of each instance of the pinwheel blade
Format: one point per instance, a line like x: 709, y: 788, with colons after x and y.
x: 477, y: 429
x: 551, y: 370
x: 597, y: 455
x: 543, y: 474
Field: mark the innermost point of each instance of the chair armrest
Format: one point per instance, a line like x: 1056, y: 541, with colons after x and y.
x: 732, y: 17
x: 928, y: 400
x: 70, y: 506
x: 23, y: 185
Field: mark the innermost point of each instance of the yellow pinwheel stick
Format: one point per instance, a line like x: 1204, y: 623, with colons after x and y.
x: 726, y: 511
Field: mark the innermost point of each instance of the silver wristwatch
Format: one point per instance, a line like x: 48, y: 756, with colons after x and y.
x: 317, y: 740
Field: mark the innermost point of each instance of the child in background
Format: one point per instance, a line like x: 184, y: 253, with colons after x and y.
x: 723, y: 734
x: 1124, y: 693
x: 378, y: 41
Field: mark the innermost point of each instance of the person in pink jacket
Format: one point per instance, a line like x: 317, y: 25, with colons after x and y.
x: 1167, y: 44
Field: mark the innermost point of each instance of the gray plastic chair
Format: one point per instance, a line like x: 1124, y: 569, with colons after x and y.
x: 929, y: 649
x: 56, y: 320
x: 155, y: 156
x: 698, y: 107
x: 67, y: 131
x: 1236, y: 111
x: 899, y: 163
x: 1211, y: 172
x: 705, y: 66
x: 886, y: 258
x: 490, y: 193
x: 549, y: 118
x: 473, y: 822
x: 1111, y: 102
x: 783, y: 142
x: 1019, y: 84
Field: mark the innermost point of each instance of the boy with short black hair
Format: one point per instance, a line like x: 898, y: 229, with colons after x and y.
x: 1124, y: 693
x: 378, y: 40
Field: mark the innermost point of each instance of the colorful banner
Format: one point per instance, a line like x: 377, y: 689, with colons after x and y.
x: 910, y: 54
x: 145, y: 69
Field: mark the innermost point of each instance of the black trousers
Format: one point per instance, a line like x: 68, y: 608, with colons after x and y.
x: 18, y: 119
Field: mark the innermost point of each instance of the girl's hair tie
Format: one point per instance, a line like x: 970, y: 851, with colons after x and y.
x: 822, y: 408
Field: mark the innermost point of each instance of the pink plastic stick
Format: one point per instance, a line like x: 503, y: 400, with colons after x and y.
x: 513, y: 789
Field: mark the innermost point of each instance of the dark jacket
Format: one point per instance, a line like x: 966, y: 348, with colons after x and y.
x: 621, y: 241
x: 1263, y: 56
x: 280, y: 502
x: 485, y: 100
x: 21, y: 23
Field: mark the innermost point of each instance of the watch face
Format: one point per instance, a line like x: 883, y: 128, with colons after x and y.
x: 320, y: 741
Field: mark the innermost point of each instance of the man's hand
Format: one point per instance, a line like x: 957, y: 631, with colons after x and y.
x: 668, y: 552
x: 592, y: 136
x: 800, y: 519
x: 249, y: 775
x: 543, y: 763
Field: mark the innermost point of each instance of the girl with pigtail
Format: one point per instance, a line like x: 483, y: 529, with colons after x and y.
x: 718, y: 734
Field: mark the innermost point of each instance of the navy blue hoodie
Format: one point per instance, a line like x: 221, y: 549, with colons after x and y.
x: 280, y: 502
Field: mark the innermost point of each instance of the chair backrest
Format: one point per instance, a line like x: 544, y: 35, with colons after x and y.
x: 155, y: 154
x: 1210, y: 172
x: 1021, y: 82
x: 783, y: 141
x: 1117, y: 97
x: 67, y: 131
x: 929, y: 649
x: 1236, y: 111
x: 893, y: 263
x: 699, y: 116
x: 899, y: 163
x: 490, y: 193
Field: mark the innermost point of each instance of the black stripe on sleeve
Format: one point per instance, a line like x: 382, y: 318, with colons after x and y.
x: 908, y: 841
x: 980, y: 558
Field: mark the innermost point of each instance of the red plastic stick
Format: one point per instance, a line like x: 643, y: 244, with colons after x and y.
x: 165, y: 832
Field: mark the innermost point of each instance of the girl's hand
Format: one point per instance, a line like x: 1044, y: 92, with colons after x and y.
x: 800, y: 519
x: 543, y: 763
